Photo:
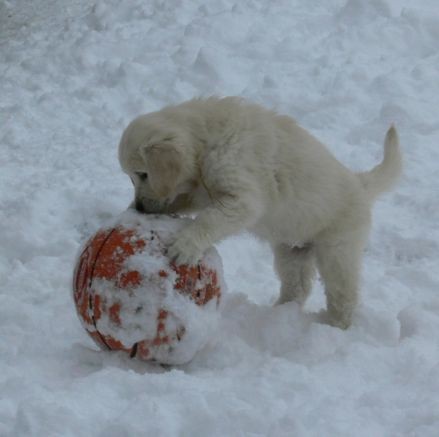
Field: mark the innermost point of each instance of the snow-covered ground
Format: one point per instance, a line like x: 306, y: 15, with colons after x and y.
x: 73, y: 74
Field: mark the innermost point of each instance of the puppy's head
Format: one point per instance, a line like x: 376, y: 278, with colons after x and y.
x: 159, y: 158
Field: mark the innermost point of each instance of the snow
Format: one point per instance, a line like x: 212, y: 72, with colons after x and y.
x: 73, y: 74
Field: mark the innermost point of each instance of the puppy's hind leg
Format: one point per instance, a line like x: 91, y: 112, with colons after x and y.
x: 295, y: 267
x: 339, y: 262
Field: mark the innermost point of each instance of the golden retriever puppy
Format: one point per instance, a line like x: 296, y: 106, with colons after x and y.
x: 239, y: 166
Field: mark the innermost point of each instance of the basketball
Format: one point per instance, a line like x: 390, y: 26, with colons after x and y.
x: 131, y: 297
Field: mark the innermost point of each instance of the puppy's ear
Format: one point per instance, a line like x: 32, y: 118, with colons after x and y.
x: 163, y: 163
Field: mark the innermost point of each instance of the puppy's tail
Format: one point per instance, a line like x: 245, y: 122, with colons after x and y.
x: 382, y: 177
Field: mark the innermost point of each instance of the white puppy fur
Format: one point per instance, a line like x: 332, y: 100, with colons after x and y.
x: 239, y: 166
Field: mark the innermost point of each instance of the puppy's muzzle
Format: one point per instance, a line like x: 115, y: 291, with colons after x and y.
x: 150, y: 206
x: 139, y: 206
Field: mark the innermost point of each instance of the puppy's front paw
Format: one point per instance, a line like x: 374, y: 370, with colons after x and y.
x: 185, y: 250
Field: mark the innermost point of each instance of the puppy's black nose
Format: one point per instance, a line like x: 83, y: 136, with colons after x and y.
x: 139, y: 206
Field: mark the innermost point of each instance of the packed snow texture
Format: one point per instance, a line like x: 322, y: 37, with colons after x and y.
x: 73, y: 74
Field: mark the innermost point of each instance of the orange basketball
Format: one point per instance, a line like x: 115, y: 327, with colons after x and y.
x: 130, y: 297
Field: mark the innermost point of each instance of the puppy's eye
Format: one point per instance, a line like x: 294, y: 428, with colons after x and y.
x: 142, y: 176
